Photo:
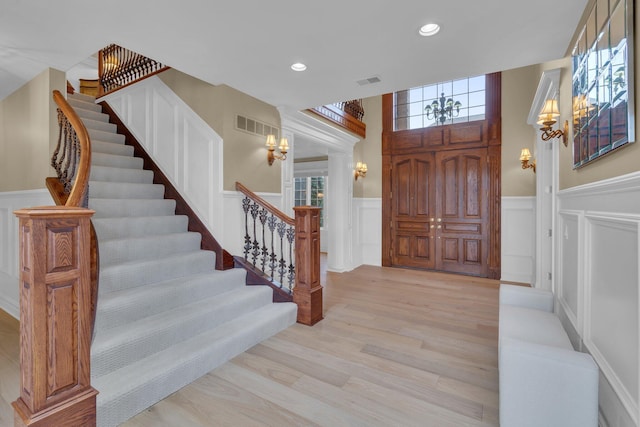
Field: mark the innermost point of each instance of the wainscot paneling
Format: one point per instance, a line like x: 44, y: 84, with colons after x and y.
x: 183, y: 146
x: 9, y: 244
x: 597, y: 286
x: 518, y: 239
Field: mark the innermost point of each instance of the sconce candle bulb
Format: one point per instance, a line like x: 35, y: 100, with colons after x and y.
x: 271, y: 147
x: 547, y: 118
x: 361, y: 170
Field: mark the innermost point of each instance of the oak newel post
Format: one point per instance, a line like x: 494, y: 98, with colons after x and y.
x: 307, y: 293
x: 55, y: 318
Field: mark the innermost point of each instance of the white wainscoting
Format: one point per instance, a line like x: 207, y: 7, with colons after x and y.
x: 367, y: 230
x: 518, y: 239
x: 9, y: 243
x: 183, y: 146
x: 597, y: 286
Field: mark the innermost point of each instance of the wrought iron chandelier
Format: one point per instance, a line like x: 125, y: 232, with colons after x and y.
x: 443, y: 109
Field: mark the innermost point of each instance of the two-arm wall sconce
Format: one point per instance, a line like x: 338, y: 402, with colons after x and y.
x: 547, y: 118
x: 271, y: 146
x: 360, y: 171
x: 525, y: 156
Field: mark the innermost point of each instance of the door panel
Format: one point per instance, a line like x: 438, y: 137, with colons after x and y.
x: 462, y: 205
x: 413, y: 211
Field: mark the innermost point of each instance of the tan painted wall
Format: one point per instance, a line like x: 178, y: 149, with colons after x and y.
x: 29, y: 132
x: 245, y: 157
x: 369, y: 150
x: 518, y: 89
x: 620, y: 162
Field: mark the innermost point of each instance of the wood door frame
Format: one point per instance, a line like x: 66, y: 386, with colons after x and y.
x: 486, y: 133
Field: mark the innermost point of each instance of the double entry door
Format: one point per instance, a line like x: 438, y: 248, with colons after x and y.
x: 439, y: 211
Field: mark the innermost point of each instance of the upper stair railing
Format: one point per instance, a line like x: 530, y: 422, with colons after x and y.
x: 58, y: 290
x: 346, y: 114
x: 284, y: 252
x: 119, y: 67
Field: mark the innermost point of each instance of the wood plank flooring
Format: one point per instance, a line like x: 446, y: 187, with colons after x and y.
x: 396, y: 348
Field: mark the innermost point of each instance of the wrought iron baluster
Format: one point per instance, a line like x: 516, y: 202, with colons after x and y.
x: 282, y: 263
x: 246, y: 202
x: 54, y: 157
x: 291, y: 235
x: 273, y: 258
x: 255, y: 245
x: 264, y: 250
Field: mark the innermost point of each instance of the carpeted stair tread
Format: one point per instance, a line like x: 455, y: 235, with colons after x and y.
x: 125, y: 249
x: 142, y: 272
x: 82, y: 97
x: 106, y: 136
x: 77, y: 103
x: 125, y: 190
x: 113, y: 160
x: 92, y: 115
x: 104, y: 147
x: 124, y: 345
x: 127, y: 391
x: 113, y: 174
x: 128, y: 305
x: 109, y: 208
x: 114, y: 228
x: 91, y: 124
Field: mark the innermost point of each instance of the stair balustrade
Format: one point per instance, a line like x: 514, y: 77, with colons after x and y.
x: 346, y: 114
x: 285, y: 250
x: 119, y: 67
x: 58, y: 290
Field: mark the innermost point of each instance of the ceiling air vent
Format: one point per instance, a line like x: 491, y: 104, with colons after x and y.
x: 370, y: 80
x: 255, y: 127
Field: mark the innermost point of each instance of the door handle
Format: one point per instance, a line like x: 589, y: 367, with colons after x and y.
x: 432, y: 226
x: 432, y: 219
x: 439, y: 219
x: 439, y: 227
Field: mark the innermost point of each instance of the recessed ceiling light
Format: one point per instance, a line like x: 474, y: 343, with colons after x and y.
x: 298, y: 66
x: 429, y: 30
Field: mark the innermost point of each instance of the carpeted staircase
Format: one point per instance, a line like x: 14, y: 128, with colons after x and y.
x: 165, y: 315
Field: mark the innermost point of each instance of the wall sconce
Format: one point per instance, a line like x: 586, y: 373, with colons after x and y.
x: 361, y: 170
x: 271, y: 146
x: 547, y: 118
x: 525, y: 156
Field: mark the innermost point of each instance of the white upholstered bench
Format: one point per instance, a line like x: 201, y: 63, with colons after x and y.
x: 543, y: 381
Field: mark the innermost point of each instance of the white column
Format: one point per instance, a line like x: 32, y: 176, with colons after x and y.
x: 340, y: 246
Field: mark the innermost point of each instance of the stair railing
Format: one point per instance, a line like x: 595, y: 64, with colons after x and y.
x: 346, y: 114
x: 286, y: 250
x: 58, y: 290
x: 119, y: 67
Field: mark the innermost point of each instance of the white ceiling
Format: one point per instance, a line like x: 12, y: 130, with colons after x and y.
x: 250, y: 44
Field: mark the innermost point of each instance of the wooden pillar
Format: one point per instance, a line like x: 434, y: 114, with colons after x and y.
x: 55, y: 319
x: 308, y: 290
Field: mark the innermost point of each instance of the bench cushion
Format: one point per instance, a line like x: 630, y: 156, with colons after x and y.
x: 533, y: 326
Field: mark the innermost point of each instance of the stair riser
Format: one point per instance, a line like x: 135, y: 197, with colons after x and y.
x: 99, y: 125
x: 75, y: 103
x: 106, y: 173
x: 131, y: 305
x: 110, y: 148
x: 106, y: 136
x: 92, y: 115
x: 119, y: 401
x: 125, y: 190
x: 135, y: 249
x: 109, y: 208
x: 186, y: 325
x: 115, y: 228
x: 110, y: 160
x: 130, y: 275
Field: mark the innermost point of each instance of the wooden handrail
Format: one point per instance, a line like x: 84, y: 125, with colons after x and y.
x: 81, y: 180
x: 340, y: 115
x: 268, y: 206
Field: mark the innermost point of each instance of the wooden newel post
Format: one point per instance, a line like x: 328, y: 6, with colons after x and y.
x: 55, y: 320
x: 308, y: 290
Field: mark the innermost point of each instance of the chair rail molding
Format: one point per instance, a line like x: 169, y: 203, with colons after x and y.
x: 185, y: 147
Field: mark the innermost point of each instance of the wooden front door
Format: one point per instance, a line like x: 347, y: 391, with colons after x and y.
x: 439, y: 216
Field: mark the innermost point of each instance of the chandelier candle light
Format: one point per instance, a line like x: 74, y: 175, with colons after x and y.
x: 443, y: 110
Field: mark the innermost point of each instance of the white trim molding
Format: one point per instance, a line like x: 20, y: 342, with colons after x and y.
x: 518, y: 239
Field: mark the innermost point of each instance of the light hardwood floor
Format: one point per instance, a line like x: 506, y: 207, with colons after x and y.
x: 396, y: 348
